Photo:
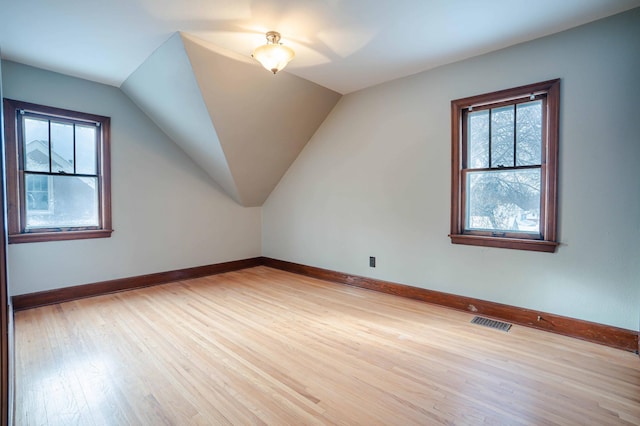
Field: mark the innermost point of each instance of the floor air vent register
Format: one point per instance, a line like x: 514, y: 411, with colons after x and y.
x: 486, y: 322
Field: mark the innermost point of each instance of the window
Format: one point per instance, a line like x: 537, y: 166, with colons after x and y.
x: 504, y: 168
x: 58, y: 173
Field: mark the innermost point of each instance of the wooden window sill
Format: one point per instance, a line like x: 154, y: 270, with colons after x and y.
x: 39, y: 237
x: 501, y: 242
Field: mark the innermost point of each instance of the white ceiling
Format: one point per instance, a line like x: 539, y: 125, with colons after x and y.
x: 344, y: 45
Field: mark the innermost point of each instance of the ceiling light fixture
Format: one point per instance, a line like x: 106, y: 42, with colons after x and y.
x: 273, y: 55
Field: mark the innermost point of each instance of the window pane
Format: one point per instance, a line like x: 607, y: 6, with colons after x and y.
x: 529, y: 133
x: 503, y: 201
x: 36, y: 145
x: 37, y: 195
x: 502, y: 136
x: 86, y: 158
x: 61, y: 147
x: 73, y: 202
x: 478, y: 134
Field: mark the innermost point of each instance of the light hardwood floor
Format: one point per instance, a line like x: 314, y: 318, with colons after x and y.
x: 262, y: 346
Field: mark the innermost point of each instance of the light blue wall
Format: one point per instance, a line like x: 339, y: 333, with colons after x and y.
x: 167, y: 213
x: 375, y: 181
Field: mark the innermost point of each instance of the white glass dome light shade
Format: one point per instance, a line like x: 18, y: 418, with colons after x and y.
x: 273, y: 56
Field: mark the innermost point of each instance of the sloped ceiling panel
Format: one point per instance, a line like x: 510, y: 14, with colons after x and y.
x: 165, y: 88
x: 241, y: 124
x: 262, y: 120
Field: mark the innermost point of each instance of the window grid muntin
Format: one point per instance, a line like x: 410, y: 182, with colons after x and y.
x: 62, y: 120
x: 491, y: 106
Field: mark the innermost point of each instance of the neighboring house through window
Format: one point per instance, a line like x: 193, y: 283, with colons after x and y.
x: 58, y: 185
x: 38, y: 195
x: 504, y: 168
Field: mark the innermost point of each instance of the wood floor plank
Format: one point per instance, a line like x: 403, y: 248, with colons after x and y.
x: 263, y: 346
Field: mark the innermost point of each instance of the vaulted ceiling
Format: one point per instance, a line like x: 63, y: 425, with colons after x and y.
x: 186, y: 63
x: 241, y: 124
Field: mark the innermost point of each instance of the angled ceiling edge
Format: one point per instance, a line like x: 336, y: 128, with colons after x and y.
x: 164, y: 87
x: 263, y: 121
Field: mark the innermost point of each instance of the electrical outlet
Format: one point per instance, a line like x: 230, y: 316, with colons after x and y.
x: 372, y: 261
